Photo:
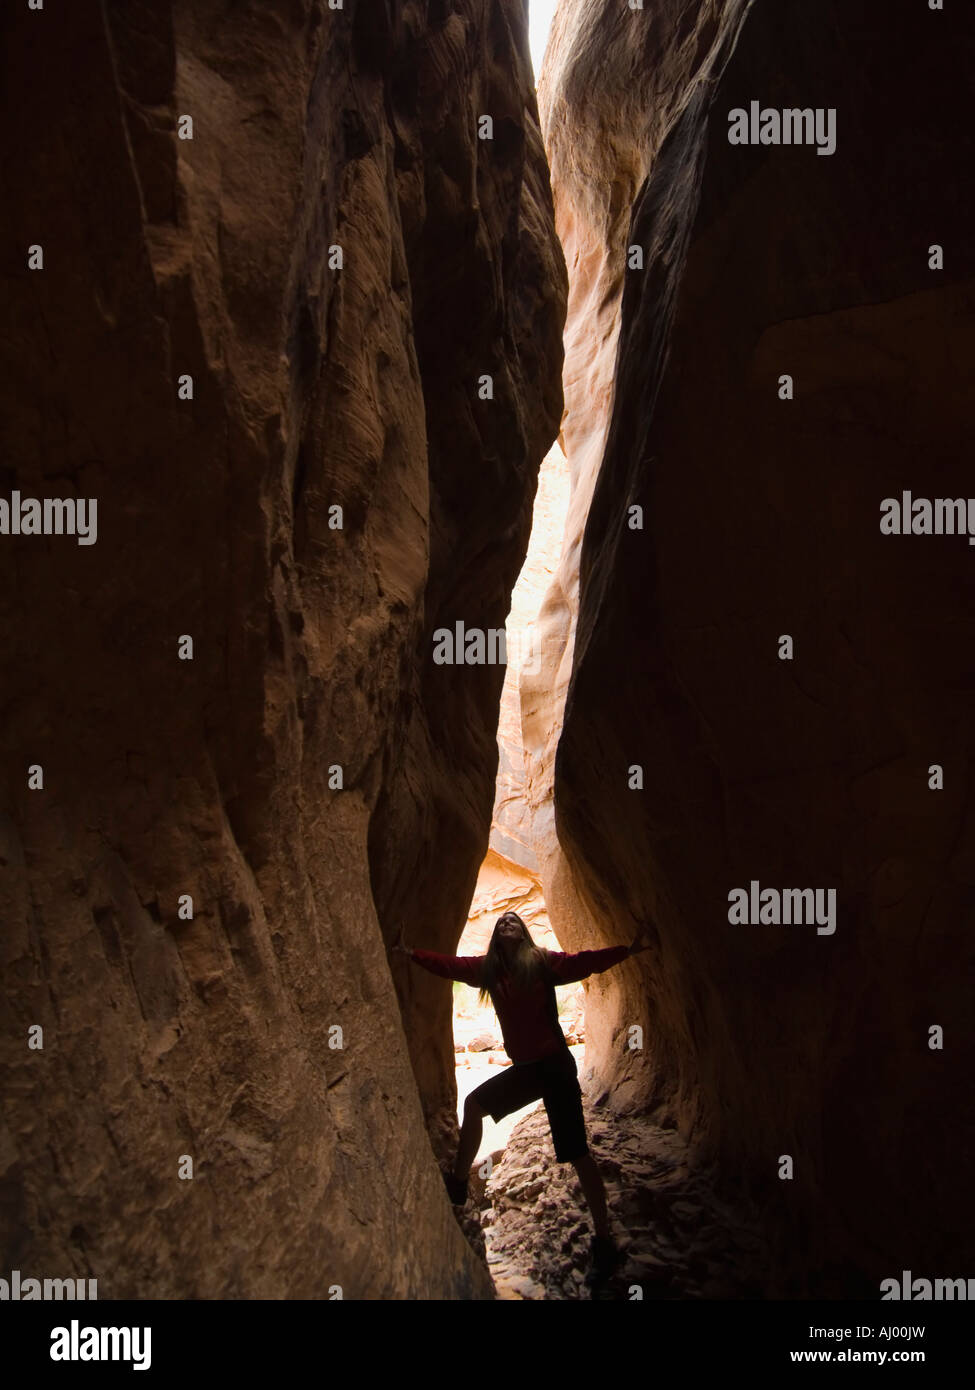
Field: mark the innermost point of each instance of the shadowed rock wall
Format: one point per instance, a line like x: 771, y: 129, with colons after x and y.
x: 312, y: 387
x: 762, y: 519
x: 612, y: 83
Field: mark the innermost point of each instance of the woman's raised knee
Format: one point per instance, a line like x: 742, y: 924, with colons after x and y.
x: 472, y: 1110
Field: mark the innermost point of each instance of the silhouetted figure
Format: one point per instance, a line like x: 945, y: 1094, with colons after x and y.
x: 520, y: 978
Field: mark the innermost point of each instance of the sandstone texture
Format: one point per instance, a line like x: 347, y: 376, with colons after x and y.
x: 509, y: 879
x: 608, y: 93
x: 215, y: 1037
x: 511, y: 823
x: 762, y: 519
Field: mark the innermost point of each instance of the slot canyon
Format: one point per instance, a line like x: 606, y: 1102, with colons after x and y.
x: 309, y: 352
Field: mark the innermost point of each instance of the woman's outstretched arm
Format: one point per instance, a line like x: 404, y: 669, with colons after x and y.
x: 467, y: 969
x: 568, y: 968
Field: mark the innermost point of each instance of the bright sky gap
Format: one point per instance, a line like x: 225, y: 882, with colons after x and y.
x: 540, y: 14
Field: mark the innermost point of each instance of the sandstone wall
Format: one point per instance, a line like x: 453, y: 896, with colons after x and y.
x: 508, y: 878
x: 609, y: 91
x: 312, y: 387
x: 762, y: 518
x: 511, y: 821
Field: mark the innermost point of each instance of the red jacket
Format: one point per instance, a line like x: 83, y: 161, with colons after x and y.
x: 529, y: 1019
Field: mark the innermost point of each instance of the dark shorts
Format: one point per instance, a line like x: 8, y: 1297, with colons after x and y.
x: 555, y: 1080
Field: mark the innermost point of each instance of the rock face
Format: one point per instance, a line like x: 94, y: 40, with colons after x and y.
x: 761, y: 519
x: 511, y: 822
x: 608, y: 94
x: 262, y: 1037
x: 509, y: 879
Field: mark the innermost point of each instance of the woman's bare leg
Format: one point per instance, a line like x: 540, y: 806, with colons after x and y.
x: 593, y: 1190
x: 470, y: 1139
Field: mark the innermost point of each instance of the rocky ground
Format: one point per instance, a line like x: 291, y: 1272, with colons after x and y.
x: 679, y: 1239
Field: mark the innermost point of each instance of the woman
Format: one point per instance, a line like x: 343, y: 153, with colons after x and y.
x: 520, y: 978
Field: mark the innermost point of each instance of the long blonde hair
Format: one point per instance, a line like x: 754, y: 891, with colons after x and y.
x: 529, y: 963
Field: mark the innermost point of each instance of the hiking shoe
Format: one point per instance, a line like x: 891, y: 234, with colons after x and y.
x: 456, y: 1189
x: 604, y: 1256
